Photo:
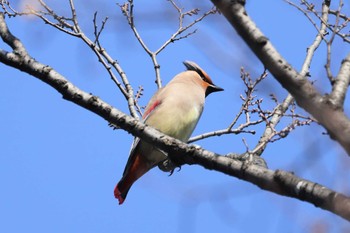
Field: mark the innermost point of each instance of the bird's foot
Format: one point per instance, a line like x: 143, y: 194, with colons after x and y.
x: 113, y: 126
x: 168, y: 166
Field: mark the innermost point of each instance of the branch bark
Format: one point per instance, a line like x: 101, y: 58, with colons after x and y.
x: 341, y: 83
x: 280, y: 182
x: 283, y: 107
x: 320, y: 107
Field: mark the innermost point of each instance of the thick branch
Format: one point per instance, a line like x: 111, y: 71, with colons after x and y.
x: 341, y: 83
x: 10, y: 39
x: 105, y: 59
x: 283, y: 107
x: 305, y: 94
x: 280, y: 182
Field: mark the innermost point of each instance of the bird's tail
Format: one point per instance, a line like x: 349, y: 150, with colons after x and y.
x: 120, y: 191
x: 137, y: 168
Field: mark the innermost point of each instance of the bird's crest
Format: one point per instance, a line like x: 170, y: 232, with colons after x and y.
x: 194, y: 67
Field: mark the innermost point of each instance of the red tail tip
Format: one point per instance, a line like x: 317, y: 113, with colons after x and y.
x: 118, y: 195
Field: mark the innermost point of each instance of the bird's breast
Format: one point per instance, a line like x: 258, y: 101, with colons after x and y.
x: 177, y: 121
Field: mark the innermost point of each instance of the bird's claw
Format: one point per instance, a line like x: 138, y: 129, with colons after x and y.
x: 172, y: 171
x: 168, y: 166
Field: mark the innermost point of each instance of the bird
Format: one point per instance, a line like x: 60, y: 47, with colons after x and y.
x: 173, y: 110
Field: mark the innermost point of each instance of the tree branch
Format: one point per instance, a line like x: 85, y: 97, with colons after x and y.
x: 283, y: 107
x: 128, y: 10
x: 341, y: 83
x: 105, y: 59
x: 305, y: 94
x: 248, y: 106
x: 280, y: 182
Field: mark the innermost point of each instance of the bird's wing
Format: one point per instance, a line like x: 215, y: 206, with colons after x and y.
x: 154, y: 103
x: 151, y: 106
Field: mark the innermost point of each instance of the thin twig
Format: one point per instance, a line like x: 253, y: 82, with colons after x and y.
x: 97, y: 32
x: 318, y: 39
x: 73, y: 29
x: 280, y: 110
x: 128, y: 10
x: 306, y: 13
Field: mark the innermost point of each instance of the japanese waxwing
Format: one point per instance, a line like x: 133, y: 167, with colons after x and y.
x: 174, y: 110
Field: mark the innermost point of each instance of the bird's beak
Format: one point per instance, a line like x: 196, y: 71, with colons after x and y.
x: 212, y: 88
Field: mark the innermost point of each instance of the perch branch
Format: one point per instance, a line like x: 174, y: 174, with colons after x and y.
x: 280, y: 182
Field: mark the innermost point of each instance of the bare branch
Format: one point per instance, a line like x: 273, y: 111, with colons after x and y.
x: 174, y: 37
x: 248, y: 106
x: 101, y: 53
x: 341, y: 83
x: 97, y: 32
x: 306, y: 13
x: 305, y: 94
x: 106, y: 60
x: 74, y: 16
x: 342, y: 16
x: 280, y: 182
x: 62, y: 22
x: 239, y: 130
x: 128, y: 9
x: 10, y: 39
x: 250, y: 88
x: 329, y: 50
x: 336, y: 28
x: 314, y: 46
x: 138, y: 95
x: 252, y: 106
x: 269, y: 132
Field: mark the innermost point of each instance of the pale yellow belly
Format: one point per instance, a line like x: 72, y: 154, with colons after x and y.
x: 177, y: 124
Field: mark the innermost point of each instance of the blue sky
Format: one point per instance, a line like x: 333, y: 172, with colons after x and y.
x: 59, y: 163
